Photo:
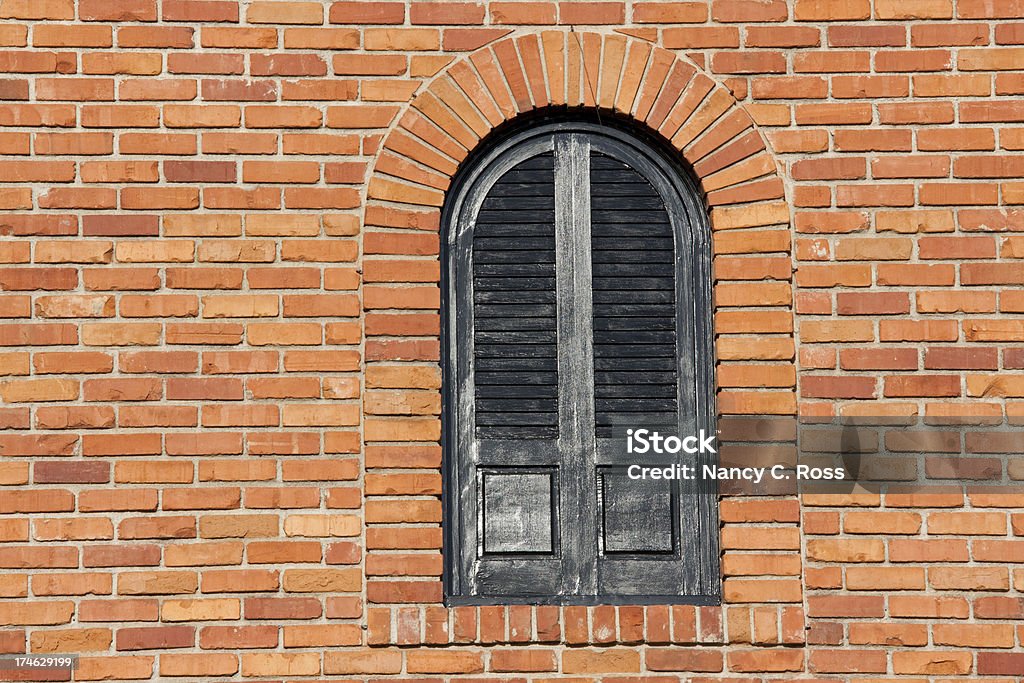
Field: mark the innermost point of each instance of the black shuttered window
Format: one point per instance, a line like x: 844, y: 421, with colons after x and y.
x: 577, y: 304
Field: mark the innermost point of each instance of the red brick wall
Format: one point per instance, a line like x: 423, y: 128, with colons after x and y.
x: 219, y: 291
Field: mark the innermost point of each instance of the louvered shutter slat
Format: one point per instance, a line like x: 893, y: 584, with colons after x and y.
x: 625, y: 317
x: 514, y: 313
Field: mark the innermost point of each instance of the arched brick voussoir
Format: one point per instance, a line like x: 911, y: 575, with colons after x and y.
x: 724, y: 130
x: 387, y: 189
x: 419, y: 125
x: 660, y: 89
x: 459, y: 104
x: 611, y: 70
x: 411, y: 147
x: 468, y: 81
x: 750, y: 216
x: 395, y: 165
x: 639, y: 52
x: 533, y: 66
x: 430, y: 105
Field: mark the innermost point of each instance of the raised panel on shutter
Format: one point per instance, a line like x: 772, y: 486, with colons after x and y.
x: 518, y: 509
x: 636, y: 516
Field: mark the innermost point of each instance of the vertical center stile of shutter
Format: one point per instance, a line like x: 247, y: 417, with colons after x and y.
x: 575, y: 354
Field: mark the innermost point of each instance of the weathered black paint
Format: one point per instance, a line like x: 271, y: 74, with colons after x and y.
x: 577, y: 298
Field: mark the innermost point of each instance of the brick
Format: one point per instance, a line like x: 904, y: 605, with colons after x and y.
x: 845, y: 550
x: 203, y: 498
x: 132, y: 10
x: 238, y: 637
x: 132, y: 668
x: 1005, y: 663
x: 906, y: 550
x: 932, y: 35
x: 540, y: 13
x: 831, y: 10
x: 878, y: 359
x: 102, y: 501
x: 72, y: 584
x: 40, y: 613
x: 867, y: 36
x: 858, y: 606
x: 322, y: 636
x: 885, y: 578
x: 198, y: 664
x: 872, y: 303
x: 150, y: 36
x: 271, y: 664
x: 364, y: 662
x: 360, y: 13
x: 848, y: 661
x: 590, y: 13
x: 917, y: 9
x: 142, y: 471
x: 742, y: 11
x: 928, y: 607
x: 282, y: 117
x: 935, y: 385
x: 948, y: 663
x: 889, y: 634
x: 46, y: 9
x: 129, y: 63
x: 960, y: 359
x: 285, y: 13
x: 914, y: 274
x: 200, y: 610
x: 838, y: 387
x: 240, y: 581
x: 746, y: 661
x: 155, y: 638
x: 681, y: 660
x: 156, y: 582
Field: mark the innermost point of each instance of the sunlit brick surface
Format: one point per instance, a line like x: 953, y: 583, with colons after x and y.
x: 219, y: 284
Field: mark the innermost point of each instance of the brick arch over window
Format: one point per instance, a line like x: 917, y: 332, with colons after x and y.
x: 415, y: 165
x: 654, y: 86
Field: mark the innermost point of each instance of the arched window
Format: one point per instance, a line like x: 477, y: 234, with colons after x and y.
x: 577, y: 304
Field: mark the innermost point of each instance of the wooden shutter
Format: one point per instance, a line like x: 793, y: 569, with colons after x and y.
x: 645, y: 546
x: 510, y: 467
x: 573, y: 312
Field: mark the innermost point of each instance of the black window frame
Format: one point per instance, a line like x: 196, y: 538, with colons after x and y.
x: 684, y: 201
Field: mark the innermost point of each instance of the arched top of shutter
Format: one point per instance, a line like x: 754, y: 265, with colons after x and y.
x: 499, y: 225
x: 528, y: 135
